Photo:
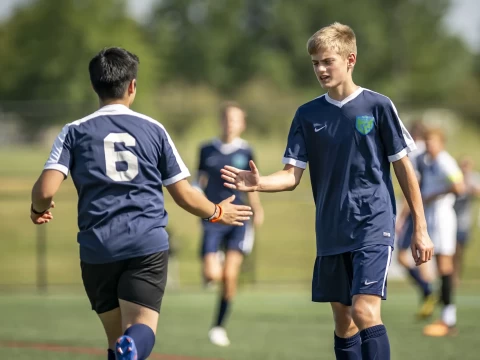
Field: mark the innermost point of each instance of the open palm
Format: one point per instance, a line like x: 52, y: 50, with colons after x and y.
x: 242, y: 180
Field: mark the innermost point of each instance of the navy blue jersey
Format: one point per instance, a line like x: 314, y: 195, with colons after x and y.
x: 349, y: 145
x: 119, y: 160
x: 213, y: 157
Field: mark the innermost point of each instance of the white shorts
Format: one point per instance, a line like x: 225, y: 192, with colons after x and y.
x: 442, y: 228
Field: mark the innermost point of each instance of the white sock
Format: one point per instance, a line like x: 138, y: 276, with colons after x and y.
x: 449, y: 315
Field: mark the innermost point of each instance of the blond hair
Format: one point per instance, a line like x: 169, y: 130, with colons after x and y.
x: 337, y: 37
x: 436, y: 131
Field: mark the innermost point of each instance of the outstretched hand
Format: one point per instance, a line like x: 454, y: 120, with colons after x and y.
x: 241, y: 180
x: 234, y: 214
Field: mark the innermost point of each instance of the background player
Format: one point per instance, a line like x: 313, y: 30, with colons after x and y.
x: 119, y: 160
x: 349, y: 137
x: 464, y: 210
x: 237, y: 241
x: 441, y: 180
x: 404, y: 230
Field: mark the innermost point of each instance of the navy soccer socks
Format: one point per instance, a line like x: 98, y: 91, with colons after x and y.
x: 375, y: 344
x: 424, y: 285
x: 143, y: 341
x: 348, y: 348
x: 111, y: 354
x: 223, y: 308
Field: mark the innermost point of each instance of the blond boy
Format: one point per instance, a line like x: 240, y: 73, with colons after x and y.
x: 348, y: 136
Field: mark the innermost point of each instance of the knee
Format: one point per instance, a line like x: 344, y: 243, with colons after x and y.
x: 445, y: 265
x: 212, y: 273
x: 344, y: 325
x: 366, y: 314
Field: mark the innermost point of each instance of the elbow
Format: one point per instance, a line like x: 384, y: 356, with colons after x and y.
x: 40, y: 194
x: 292, y: 186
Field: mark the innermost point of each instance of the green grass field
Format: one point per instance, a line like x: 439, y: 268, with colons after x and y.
x: 266, y: 324
x: 272, y: 320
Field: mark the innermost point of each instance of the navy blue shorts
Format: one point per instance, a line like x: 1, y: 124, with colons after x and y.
x: 227, y: 237
x: 405, y: 237
x: 463, y: 236
x: 337, y: 278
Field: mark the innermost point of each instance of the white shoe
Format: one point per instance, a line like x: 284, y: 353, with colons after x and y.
x: 218, y: 336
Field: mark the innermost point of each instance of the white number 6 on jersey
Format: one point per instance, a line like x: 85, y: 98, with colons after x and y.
x: 112, y: 157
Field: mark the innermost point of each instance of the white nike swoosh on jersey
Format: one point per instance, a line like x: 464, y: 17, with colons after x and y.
x: 370, y: 282
x: 317, y: 129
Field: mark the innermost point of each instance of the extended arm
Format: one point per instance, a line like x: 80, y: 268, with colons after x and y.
x: 197, y: 204
x: 243, y: 180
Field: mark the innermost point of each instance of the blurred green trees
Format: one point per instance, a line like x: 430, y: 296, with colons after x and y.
x: 196, y: 52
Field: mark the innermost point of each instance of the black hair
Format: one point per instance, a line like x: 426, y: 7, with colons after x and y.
x: 111, y: 70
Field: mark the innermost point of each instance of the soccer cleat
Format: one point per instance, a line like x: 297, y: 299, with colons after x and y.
x: 218, y: 336
x: 125, y: 348
x: 440, y: 329
x: 427, y: 308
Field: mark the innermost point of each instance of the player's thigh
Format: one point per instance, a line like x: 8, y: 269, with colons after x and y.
x: 370, y: 270
x: 332, y: 279
x: 112, y: 323
x: 241, y: 238
x: 144, y: 281
x: 101, y: 283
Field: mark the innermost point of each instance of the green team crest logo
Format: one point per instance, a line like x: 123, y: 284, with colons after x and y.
x: 364, y: 124
x: 240, y: 161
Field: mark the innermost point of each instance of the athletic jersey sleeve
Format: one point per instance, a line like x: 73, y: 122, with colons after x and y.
x: 61, y: 154
x: 171, y: 165
x: 395, y: 137
x: 296, y: 151
x: 451, y: 170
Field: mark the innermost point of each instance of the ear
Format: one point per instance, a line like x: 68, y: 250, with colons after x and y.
x: 351, y: 60
x: 132, y: 86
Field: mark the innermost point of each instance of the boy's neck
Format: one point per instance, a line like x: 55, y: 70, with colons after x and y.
x: 343, y: 91
x: 124, y: 102
x: 227, y: 139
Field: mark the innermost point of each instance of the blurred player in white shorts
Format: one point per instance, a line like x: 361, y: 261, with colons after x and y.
x: 464, y: 211
x: 440, y: 181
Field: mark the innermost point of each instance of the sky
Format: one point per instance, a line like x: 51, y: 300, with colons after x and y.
x: 463, y: 18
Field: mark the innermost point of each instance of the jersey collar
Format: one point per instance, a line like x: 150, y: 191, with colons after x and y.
x: 344, y: 101
x: 228, y: 148
x: 113, y: 108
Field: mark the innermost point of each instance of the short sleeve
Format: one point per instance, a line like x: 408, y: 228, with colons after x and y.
x: 61, y: 154
x: 202, y: 166
x: 296, y: 151
x: 451, y: 170
x: 395, y: 137
x: 251, y: 157
x: 171, y: 165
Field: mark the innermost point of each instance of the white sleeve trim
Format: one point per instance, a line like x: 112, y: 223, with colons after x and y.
x: 410, y: 143
x: 62, y: 168
x: 56, y: 152
x: 403, y: 153
x: 184, y: 174
x: 296, y: 163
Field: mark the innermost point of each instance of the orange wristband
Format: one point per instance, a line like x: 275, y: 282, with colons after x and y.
x: 220, y: 215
